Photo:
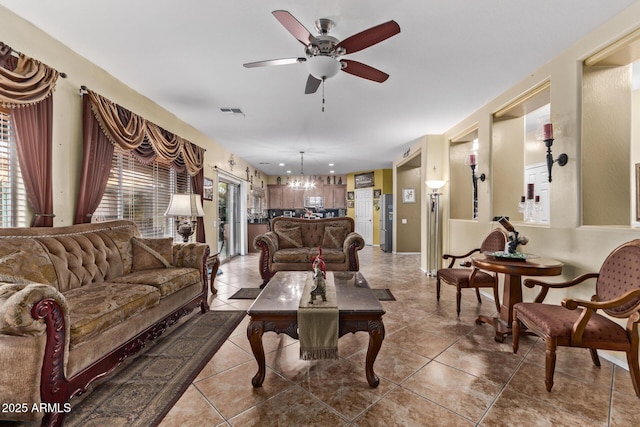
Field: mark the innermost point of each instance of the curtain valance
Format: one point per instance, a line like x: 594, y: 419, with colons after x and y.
x: 145, y: 139
x: 23, y: 80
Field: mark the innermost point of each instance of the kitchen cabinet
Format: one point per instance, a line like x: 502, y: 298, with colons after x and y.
x: 276, y: 196
x: 284, y: 197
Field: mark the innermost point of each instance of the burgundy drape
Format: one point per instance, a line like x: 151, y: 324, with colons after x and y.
x: 26, y: 86
x: 107, y: 123
x: 33, y: 126
x: 197, y: 186
x: 96, y: 165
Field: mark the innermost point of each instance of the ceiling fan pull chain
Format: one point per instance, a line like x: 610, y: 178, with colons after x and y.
x: 323, y: 79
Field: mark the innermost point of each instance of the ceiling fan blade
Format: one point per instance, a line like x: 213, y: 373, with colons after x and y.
x: 365, y: 71
x: 283, y: 61
x: 370, y: 37
x: 294, y: 26
x: 312, y: 85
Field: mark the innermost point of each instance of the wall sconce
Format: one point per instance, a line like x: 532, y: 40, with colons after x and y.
x: 187, y: 206
x: 473, y: 162
x: 547, y: 136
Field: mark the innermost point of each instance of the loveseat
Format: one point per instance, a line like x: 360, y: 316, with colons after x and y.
x: 293, y: 242
x: 76, y: 301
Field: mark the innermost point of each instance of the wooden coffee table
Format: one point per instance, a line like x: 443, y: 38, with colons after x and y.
x: 276, y: 310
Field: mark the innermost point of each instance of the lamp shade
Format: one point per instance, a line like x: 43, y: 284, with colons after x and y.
x: 185, y: 205
x: 322, y: 66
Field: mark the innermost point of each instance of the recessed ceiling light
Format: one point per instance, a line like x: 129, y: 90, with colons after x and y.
x: 332, y: 171
x: 330, y: 164
x: 288, y: 171
x: 280, y: 164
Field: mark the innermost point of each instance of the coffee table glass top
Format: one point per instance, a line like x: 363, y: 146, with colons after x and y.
x: 284, y: 290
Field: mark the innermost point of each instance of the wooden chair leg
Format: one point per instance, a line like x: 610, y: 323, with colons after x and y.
x: 458, y: 299
x: 438, y: 288
x: 634, y: 369
x: 515, y: 332
x: 550, y: 362
x: 594, y: 356
x: 478, y: 295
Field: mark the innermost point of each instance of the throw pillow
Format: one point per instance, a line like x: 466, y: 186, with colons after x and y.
x: 152, y: 253
x: 289, y: 238
x: 334, y: 237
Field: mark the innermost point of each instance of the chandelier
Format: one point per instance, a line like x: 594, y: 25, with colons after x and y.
x: 301, y: 183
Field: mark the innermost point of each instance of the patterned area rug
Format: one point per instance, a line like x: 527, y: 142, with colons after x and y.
x: 252, y: 293
x: 142, y: 392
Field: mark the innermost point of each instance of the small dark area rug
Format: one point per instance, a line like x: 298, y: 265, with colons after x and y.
x: 142, y: 391
x: 252, y: 293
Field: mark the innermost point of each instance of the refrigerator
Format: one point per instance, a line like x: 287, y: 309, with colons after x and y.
x: 386, y: 222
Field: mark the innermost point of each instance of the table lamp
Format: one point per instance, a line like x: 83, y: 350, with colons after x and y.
x: 185, y: 205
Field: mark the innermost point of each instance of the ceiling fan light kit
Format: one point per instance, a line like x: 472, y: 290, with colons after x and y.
x: 323, y: 67
x: 323, y: 52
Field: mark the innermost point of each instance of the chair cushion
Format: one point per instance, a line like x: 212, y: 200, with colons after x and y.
x: 95, y: 307
x: 166, y: 280
x: 460, y: 277
x: 152, y: 253
x: 289, y: 238
x: 557, y: 322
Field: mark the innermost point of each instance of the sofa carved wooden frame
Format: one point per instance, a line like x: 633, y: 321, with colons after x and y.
x: 56, y: 389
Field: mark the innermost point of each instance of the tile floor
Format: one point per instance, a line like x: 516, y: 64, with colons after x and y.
x: 435, y: 368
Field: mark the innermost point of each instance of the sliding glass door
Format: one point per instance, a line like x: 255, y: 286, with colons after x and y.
x: 230, y: 219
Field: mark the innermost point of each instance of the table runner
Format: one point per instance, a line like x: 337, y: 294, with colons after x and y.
x: 318, y: 323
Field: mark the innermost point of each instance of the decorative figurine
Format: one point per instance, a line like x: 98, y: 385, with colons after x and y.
x: 515, y: 239
x: 319, y: 275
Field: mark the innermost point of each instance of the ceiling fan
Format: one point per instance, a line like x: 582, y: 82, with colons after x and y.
x: 323, y: 52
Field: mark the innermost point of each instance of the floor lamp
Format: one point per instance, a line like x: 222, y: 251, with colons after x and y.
x: 433, y: 227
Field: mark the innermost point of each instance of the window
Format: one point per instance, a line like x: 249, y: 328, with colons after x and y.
x: 13, y: 199
x: 141, y: 193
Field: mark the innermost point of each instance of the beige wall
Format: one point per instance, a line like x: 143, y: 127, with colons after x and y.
x: 606, y: 141
x: 581, y: 248
x: 67, y: 126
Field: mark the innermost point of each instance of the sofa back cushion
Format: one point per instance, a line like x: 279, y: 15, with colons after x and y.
x: 313, y: 231
x: 71, y: 256
x: 80, y: 259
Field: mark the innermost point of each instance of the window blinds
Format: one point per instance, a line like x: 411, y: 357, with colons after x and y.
x: 13, y: 199
x: 141, y: 193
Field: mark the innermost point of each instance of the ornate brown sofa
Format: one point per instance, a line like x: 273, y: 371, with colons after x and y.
x: 76, y: 301
x: 293, y: 242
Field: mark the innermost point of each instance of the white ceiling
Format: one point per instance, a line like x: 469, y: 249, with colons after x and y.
x: 451, y: 57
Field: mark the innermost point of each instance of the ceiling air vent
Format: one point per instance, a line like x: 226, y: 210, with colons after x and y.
x: 232, y: 111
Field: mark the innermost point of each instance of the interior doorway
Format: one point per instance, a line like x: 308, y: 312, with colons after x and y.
x: 364, y: 214
x: 231, y: 218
